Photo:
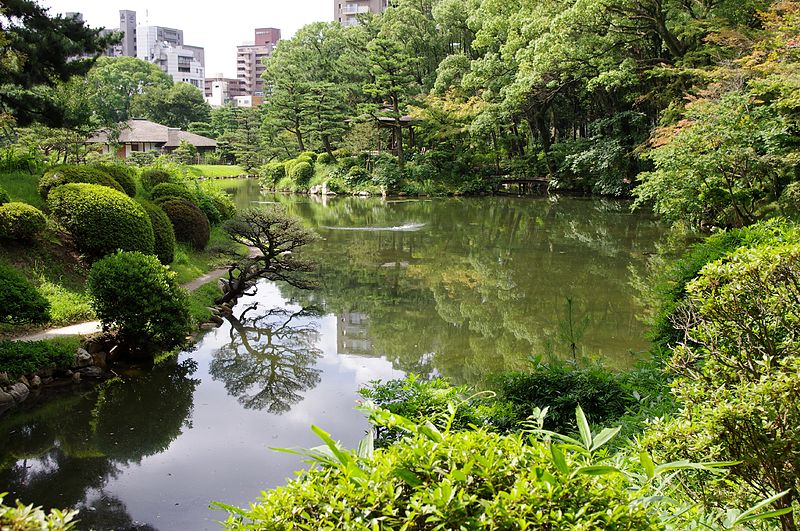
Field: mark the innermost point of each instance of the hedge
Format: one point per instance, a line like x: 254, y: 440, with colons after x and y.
x: 151, y: 177
x: 189, y: 222
x: 75, y: 174
x: 20, y: 358
x: 164, y: 234
x: 101, y: 220
x: 124, y: 175
x: 20, y: 302
x: 4, y: 197
x: 163, y: 191
x: 21, y: 221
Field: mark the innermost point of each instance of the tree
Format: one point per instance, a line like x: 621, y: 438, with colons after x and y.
x: 38, y: 52
x: 176, y: 106
x: 115, y: 83
x: 277, y: 239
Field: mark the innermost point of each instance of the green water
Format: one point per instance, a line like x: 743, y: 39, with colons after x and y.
x: 455, y: 287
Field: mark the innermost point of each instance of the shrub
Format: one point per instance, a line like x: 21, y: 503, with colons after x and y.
x: 124, y: 175
x: 561, y: 388
x: 325, y: 158
x: 151, y: 177
x: 136, y: 295
x: 189, y: 222
x: 739, y: 371
x: 21, y: 221
x: 458, y: 480
x: 165, y: 191
x: 19, y: 358
x: 310, y: 155
x: 75, y: 174
x: 101, y: 220
x: 23, y: 517
x: 271, y: 173
x: 20, y: 302
x: 301, y: 173
x: 356, y: 175
x: 222, y: 201
x: 4, y: 197
x: 163, y: 233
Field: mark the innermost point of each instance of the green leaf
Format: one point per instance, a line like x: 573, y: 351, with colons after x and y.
x: 583, y: 428
x: 366, y: 446
x: 749, y: 516
x: 341, y: 456
x: 559, y: 460
x: 647, y: 464
x: 598, y: 470
x: 604, y: 436
x: 408, y: 476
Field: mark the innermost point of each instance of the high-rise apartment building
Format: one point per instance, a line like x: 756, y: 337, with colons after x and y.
x: 346, y: 12
x: 164, y: 46
x: 220, y: 90
x: 127, y: 25
x: 250, y: 60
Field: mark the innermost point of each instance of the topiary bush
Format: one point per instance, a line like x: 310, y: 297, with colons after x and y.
x: 301, y: 173
x: 20, y: 302
x: 163, y: 233
x: 189, y: 222
x: 21, y: 221
x: 124, y: 175
x: 356, y: 175
x: 75, y: 174
x: 151, y: 177
x: 4, y: 197
x: 270, y: 173
x: 101, y: 220
x: 139, y: 297
x: 325, y: 158
x: 165, y: 191
x: 310, y: 155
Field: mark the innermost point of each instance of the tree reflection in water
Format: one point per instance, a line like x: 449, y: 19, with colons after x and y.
x: 269, y: 360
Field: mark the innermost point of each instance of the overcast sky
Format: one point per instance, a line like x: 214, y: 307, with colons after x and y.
x: 217, y: 26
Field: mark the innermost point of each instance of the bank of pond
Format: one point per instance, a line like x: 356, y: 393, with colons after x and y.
x: 557, y: 409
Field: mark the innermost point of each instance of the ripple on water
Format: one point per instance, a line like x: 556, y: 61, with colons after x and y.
x: 407, y: 227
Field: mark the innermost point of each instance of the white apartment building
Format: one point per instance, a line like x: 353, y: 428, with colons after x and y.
x: 164, y: 47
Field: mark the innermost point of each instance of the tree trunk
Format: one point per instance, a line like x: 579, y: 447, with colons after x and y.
x: 401, y: 161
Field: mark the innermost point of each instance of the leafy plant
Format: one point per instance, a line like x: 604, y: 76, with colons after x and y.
x: 21, y: 221
x: 20, y: 302
x: 23, y: 517
x: 189, y: 222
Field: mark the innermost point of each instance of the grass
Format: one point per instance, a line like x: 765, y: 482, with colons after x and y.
x: 22, y: 186
x: 200, y: 299
x: 66, y: 306
x: 26, y: 357
x: 214, y: 171
x: 190, y: 263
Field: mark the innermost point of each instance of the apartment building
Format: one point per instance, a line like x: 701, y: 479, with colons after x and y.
x: 127, y: 25
x: 250, y: 60
x: 346, y: 12
x: 220, y: 90
x: 164, y: 47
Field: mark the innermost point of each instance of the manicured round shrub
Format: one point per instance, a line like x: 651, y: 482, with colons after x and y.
x: 151, y: 177
x: 222, y: 202
x: 140, y: 298
x: 307, y: 155
x: 4, y: 197
x: 271, y: 173
x: 164, y: 244
x: 20, y: 221
x: 190, y: 224
x: 20, y: 302
x: 301, y: 173
x: 124, y: 175
x: 325, y: 158
x: 75, y: 174
x: 164, y: 191
x: 101, y: 220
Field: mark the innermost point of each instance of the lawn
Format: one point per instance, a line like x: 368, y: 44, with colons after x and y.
x: 22, y: 186
x: 214, y: 171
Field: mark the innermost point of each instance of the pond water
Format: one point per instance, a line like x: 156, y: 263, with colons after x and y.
x: 454, y: 287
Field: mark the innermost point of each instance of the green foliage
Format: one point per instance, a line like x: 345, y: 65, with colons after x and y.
x: 20, y: 358
x: 789, y: 201
x: 447, y: 480
x: 185, y: 153
x: 76, y: 174
x: 431, y: 401
x: 301, y: 173
x: 4, y: 197
x: 66, y: 306
x: 325, y: 158
x: 172, y: 190
x: 140, y: 298
x: 176, y: 105
x: 151, y: 177
x: 20, y: 302
x: 602, y: 394
x: 189, y: 222
x: 356, y: 175
x: 20, y: 221
x: 271, y: 173
x: 163, y: 233
x: 22, y: 186
x: 738, y: 370
x: 123, y: 174
x: 201, y: 299
x: 13, y: 159
x: 101, y: 220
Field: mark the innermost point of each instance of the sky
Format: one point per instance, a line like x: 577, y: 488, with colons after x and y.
x: 217, y: 26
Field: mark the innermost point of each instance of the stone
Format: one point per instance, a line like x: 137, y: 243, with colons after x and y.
x: 76, y: 377
x: 83, y: 358
x: 19, y: 392
x: 36, y: 382
x: 93, y: 347
x: 91, y: 372
x: 4, y: 380
x: 5, y: 399
x: 24, y: 381
x: 213, y: 310
x: 100, y: 359
x: 45, y: 373
x: 364, y: 194
x: 216, y: 319
x: 225, y: 310
x: 47, y: 381
x: 316, y: 190
x: 208, y: 326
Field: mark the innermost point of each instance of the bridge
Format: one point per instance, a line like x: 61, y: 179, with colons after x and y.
x: 523, y: 185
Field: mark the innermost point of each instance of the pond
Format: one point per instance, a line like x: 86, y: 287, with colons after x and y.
x: 458, y: 287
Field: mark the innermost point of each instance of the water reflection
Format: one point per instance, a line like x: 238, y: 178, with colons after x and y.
x: 69, y: 450
x: 269, y: 361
